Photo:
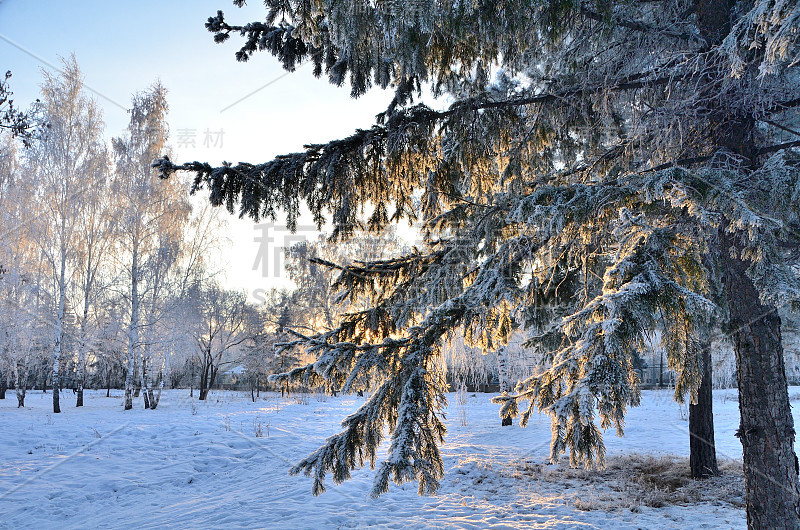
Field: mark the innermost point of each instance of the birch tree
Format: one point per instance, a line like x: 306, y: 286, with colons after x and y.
x: 94, y: 251
x: 224, y: 325
x: 150, y: 228
x: 20, y: 320
x: 63, y: 162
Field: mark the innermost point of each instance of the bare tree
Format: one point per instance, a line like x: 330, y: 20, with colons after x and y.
x: 224, y: 322
x: 95, y: 240
x: 153, y: 214
x: 62, y: 162
x: 24, y: 325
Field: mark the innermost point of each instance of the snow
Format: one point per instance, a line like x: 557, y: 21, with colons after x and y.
x: 224, y: 463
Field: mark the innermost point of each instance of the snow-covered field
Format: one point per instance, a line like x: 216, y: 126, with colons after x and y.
x: 223, y: 464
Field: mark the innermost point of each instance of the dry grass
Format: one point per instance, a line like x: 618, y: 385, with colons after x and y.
x: 633, y: 481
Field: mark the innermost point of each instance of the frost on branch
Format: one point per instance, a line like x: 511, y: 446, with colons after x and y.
x: 582, y: 198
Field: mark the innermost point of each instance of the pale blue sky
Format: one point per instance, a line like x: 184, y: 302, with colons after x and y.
x: 123, y: 46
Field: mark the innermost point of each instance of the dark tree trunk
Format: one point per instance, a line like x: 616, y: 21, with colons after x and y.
x: 766, y: 430
x: 3, y: 386
x: 20, y: 397
x: 203, y: 386
x: 79, y: 392
x: 702, y: 452
x: 206, y: 376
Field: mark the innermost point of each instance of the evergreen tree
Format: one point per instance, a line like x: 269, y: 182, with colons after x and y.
x: 17, y: 122
x: 313, y: 267
x: 599, y: 161
x: 702, y: 453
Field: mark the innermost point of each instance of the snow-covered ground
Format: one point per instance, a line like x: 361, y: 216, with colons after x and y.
x: 223, y: 464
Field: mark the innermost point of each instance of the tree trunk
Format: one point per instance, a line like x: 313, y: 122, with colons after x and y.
x: 128, y: 397
x: 155, y: 399
x: 56, y: 386
x: 19, y: 383
x: 57, y: 363
x: 133, y: 329
x: 151, y: 397
x: 203, y: 383
x: 81, y: 371
x: 702, y: 452
x: 3, y: 385
x: 83, y: 342
x: 143, y: 382
x: 60, y: 316
x: 766, y: 430
x: 207, y: 376
x: 502, y: 376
